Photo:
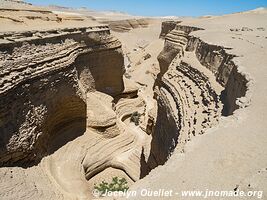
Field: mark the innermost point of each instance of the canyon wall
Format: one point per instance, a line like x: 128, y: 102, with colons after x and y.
x: 167, y: 27
x: 56, y: 84
x: 45, y: 76
x: 225, y: 70
x: 197, y: 83
x: 126, y: 25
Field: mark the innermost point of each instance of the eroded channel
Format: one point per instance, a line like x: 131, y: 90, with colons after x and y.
x: 75, y: 119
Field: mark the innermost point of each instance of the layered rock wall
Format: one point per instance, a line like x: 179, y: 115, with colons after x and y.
x: 44, y: 80
x: 167, y: 27
x: 189, y: 100
x: 221, y: 63
x: 127, y: 24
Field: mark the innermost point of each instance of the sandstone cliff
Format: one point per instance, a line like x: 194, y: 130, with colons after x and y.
x: 197, y: 83
x: 63, y: 94
x: 167, y: 26
x: 225, y: 70
x: 44, y: 80
x: 127, y: 24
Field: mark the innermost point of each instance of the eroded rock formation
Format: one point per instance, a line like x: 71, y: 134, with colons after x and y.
x: 65, y: 109
x: 225, y: 70
x: 167, y: 27
x: 197, y: 83
x: 44, y: 80
x: 62, y: 93
x: 127, y: 25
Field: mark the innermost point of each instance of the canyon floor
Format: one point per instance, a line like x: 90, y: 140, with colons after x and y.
x: 165, y: 73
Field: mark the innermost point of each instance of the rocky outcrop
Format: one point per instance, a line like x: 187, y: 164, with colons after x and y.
x: 175, y: 43
x: 197, y: 83
x: 66, y: 109
x: 28, y: 12
x: 62, y: 94
x: 45, y: 77
x: 187, y: 29
x: 225, y: 70
x: 122, y: 151
x: 167, y: 27
x: 127, y: 25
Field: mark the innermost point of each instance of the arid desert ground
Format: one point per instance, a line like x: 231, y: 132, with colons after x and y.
x: 174, y: 104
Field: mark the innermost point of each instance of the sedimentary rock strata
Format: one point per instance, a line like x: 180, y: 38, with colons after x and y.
x: 63, y: 99
x: 127, y: 25
x: 45, y: 78
x: 191, y: 98
x: 167, y: 26
x: 66, y: 109
x: 225, y: 70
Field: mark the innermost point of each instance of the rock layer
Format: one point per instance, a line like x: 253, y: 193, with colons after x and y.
x: 225, y: 70
x: 127, y: 25
x: 44, y: 80
x: 167, y: 27
x: 197, y: 83
x: 69, y: 100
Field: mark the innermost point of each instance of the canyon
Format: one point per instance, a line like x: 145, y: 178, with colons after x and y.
x: 69, y: 91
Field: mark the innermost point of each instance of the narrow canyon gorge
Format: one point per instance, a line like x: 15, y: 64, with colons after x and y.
x: 68, y: 96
